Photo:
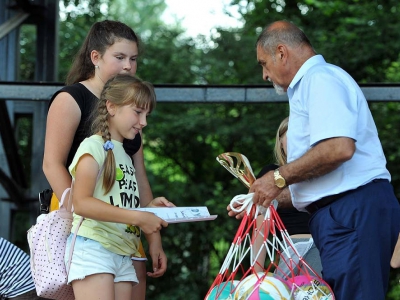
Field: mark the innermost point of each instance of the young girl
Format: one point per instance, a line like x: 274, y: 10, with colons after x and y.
x: 110, y: 48
x: 295, y: 222
x: 101, y: 267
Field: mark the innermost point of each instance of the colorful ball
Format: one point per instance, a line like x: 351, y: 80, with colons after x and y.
x: 222, y: 291
x: 310, y: 288
x: 260, y: 287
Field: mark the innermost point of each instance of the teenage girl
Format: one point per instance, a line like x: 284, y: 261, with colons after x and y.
x: 110, y: 48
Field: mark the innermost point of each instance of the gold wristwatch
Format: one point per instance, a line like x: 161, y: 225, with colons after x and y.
x: 280, y: 182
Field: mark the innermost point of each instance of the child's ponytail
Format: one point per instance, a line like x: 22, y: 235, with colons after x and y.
x: 120, y: 90
x: 109, y: 172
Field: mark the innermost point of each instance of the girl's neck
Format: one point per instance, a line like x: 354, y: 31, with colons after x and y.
x: 94, y: 85
x: 120, y: 139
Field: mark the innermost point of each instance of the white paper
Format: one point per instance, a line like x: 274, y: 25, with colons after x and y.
x: 181, y: 214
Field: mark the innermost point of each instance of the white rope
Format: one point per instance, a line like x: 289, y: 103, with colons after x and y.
x: 246, y: 246
x: 245, y: 202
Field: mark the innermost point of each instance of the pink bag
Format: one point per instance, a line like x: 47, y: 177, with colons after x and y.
x: 47, y: 241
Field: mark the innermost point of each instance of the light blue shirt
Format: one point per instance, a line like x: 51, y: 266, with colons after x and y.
x: 326, y: 102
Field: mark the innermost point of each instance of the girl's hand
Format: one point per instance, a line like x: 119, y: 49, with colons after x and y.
x: 160, y: 202
x: 159, y: 260
x: 232, y: 213
x: 149, y: 222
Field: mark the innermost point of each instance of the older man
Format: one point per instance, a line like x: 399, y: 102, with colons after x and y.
x: 336, y: 167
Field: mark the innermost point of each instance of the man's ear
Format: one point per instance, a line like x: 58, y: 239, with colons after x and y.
x: 95, y: 57
x: 281, y: 53
x: 111, y: 108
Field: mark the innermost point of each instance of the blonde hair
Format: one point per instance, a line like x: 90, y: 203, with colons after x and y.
x: 279, y: 153
x: 120, y: 90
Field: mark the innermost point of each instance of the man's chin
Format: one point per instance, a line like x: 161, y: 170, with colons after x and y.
x: 279, y: 90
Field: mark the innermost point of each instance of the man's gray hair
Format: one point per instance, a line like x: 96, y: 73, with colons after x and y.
x: 285, y: 33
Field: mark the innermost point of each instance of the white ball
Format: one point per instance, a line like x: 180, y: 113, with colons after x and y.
x: 261, y: 287
x: 222, y: 291
x: 310, y: 288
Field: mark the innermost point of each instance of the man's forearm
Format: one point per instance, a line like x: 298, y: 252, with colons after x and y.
x: 323, y: 158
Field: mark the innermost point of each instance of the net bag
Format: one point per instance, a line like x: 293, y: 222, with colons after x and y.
x: 262, y: 261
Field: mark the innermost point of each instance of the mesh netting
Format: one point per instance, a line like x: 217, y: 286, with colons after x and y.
x: 264, y: 263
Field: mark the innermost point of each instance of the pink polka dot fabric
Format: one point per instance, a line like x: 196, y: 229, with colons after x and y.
x: 47, y: 240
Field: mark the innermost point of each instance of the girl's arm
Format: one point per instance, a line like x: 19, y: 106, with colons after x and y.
x: 158, y: 257
x: 395, y: 261
x: 146, y: 195
x: 62, y: 122
x: 87, y: 206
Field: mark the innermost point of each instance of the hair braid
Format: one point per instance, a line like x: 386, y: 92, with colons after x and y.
x: 109, y: 163
x: 100, y: 125
x: 121, y: 90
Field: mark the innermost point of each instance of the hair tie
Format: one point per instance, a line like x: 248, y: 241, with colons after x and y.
x: 108, y: 146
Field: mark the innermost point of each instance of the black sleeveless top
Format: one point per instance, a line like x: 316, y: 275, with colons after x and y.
x: 86, y: 102
x: 296, y: 222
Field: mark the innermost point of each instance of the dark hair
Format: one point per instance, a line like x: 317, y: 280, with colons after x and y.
x: 100, y: 36
x: 121, y: 90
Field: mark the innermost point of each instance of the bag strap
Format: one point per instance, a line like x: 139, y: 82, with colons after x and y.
x: 71, y: 250
x: 65, y: 204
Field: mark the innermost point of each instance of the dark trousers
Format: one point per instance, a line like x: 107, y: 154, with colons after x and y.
x: 356, y: 236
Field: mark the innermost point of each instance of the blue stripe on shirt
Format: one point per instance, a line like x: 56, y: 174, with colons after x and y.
x: 15, y: 272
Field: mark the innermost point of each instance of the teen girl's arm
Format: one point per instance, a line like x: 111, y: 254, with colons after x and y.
x: 87, y: 206
x: 63, y: 119
x: 157, y: 254
x: 146, y: 196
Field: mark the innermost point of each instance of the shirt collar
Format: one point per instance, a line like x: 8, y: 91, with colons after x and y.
x: 312, y: 61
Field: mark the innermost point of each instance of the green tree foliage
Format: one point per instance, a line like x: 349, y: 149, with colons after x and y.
x: 362, y: 37
x: 354, y: 42
x: 27, y: 53
x: 182, y: 140
x: 182, y: 143
x: 76, y: 18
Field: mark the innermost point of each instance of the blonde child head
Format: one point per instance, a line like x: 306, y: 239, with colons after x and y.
x: 119, y: 91
x: 279, y: 150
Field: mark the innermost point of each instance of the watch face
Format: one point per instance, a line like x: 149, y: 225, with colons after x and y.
x: 280, y: 182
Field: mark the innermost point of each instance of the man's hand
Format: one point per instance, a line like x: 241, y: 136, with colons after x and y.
x: 265, y: 190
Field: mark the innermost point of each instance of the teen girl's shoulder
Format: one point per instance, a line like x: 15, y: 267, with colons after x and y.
x: 82, y: 96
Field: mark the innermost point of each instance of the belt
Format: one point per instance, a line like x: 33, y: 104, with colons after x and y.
x: 313, y: 207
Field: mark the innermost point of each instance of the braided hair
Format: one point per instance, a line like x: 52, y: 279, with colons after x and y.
x: 120, y: 90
